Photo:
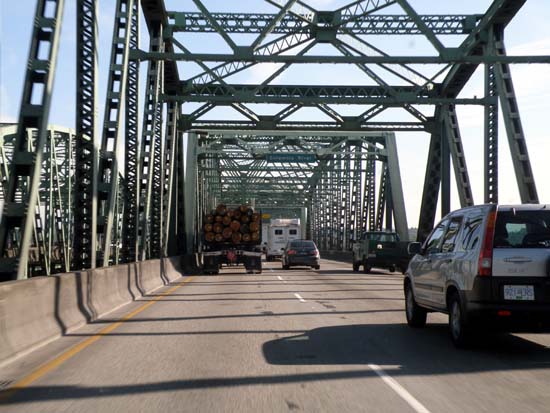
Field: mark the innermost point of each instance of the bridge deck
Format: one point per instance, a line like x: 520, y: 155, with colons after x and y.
x: 279, y: 341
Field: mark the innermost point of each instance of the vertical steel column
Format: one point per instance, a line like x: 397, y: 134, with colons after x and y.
x: 432, y: 181
x: 514, y: 128
x: 180, y: 243
x: 381, y: 198
x: 118, y: 219
x: 371, y: 193
x: 332, y: 202
x: 131, y: 154
x: 107, y: 177
x: 445, y: 169
x: 85, y: 202
x: 24, y: 176
x: 355, y: 193
x: 365, y: 195
x: 491, y: 139
x: 191, y: 197
x: 157, y: 194
x: 149, y: 140
x: 58, y: 241
x: 327, y: 211
x: 459, y: 159
x: 395, y: 199
x: 168, y: 169
x: 389, y: 205
x: 346, y: 202
x: 350, y: 211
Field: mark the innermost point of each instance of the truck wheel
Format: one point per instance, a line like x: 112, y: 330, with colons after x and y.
x: 392, y: 268
x: 366, y: 266
x: 355, y: 265
x: 416, y: 315
x: 459, y: 328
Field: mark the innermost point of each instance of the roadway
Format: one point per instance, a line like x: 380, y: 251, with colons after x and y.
x: 297, y: 340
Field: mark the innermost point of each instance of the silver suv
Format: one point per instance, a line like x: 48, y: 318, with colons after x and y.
x: 484, y: 264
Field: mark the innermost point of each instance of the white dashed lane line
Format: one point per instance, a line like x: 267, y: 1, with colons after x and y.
x: 299, y: 297
x: 400, y: 390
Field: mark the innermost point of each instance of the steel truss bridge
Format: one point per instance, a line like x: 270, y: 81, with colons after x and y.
x: 134, y: 187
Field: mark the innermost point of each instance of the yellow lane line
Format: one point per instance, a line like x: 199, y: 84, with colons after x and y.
x: 56, y: 362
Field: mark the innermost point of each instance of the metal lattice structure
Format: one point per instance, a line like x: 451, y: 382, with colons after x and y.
x: 134, y: 190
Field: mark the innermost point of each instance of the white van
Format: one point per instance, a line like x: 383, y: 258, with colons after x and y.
x: 280, y: 232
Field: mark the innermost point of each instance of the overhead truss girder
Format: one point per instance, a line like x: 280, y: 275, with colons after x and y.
x: 367, y: 24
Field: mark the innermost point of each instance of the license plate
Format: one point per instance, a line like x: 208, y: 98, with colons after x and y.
x: 519, y: 292
x: 372, y: 256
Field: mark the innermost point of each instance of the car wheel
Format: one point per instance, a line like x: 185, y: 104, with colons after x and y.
x: 366, y: 266
x: 416, y: 315
x: 458, y: 326
x: 317, y: 267
x: 286, y: 267
x: 391, y: 268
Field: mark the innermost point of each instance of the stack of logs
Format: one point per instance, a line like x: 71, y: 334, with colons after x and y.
x: 238, y: 226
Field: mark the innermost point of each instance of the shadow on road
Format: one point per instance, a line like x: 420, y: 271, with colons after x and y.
x: 399, y: 349
x: 418, y: 351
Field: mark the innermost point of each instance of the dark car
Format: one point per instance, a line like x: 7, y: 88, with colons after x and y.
x: 300, y: 252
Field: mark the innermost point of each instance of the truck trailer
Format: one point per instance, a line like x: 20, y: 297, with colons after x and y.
x: 280, y: 232
x: 231, y: 237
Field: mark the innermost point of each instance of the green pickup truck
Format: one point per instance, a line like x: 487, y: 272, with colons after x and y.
x: 380, y: 249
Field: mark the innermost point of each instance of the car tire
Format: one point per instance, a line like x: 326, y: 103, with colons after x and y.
x: 366, y: 267
x: 416, y: 315
x: 317, y: 267
x: 391, y: 268
x: 286, y: 267
x: 459, y: 328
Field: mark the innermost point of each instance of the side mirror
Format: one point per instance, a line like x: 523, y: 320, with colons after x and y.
x: 414, y: 248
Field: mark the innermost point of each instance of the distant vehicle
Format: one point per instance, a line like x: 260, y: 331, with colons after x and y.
x: 483, y: 265
x: 301, y: 252
x: 231, y: 237
x: 280, y: 232
x: 380, y: 249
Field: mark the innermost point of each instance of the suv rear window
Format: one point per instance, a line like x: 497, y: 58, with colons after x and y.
x: 302, y: 244
x: 522, y: 229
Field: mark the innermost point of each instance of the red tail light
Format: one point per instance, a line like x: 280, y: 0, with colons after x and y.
x: 291, y: 252
x: 485, y: 266
x: 314, y: 252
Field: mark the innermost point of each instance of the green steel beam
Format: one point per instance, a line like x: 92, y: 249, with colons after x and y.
x: 314, y: 95
x: 373, y: 24
x: 111, y: 139
x: 24, y: 175
x: 245, y: 58
x: 131, y: 154
x: 85, y: 207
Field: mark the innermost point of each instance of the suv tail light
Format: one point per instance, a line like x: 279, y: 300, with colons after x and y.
x: 485, y: 266
x: 314, y: 252
x: 291, y: 252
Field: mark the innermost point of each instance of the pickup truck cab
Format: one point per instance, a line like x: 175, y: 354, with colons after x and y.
x: 381, y: 249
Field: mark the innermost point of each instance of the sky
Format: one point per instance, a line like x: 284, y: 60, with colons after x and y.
x: 528, y: 33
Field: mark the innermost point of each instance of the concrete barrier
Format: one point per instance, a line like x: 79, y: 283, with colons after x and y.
x: 39, y: 310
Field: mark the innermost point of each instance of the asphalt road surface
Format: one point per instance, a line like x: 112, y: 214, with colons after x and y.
x: 298, y: 340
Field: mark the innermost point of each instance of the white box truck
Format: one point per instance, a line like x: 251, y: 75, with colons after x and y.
x: 280, y: 232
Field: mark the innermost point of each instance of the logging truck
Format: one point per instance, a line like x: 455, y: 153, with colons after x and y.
x: 231, y: 237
